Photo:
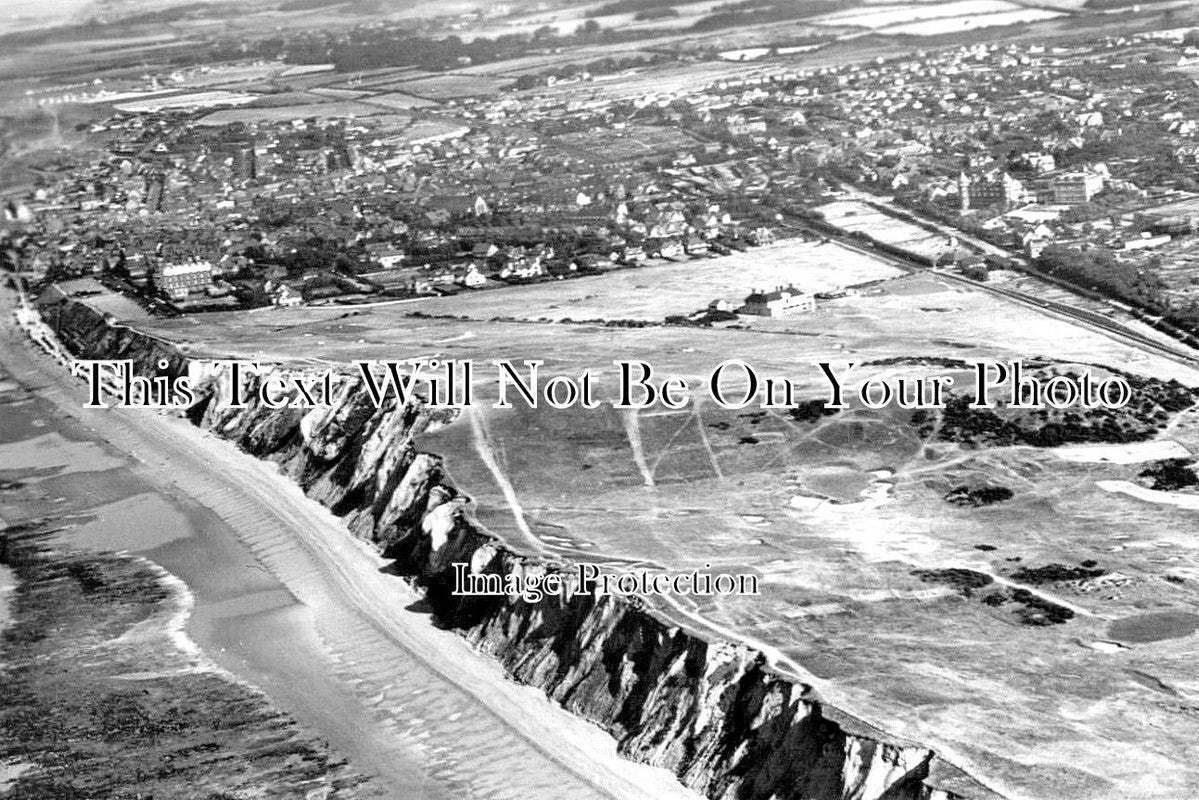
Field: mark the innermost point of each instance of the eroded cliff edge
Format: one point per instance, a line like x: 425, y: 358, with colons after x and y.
x: 712, y: 712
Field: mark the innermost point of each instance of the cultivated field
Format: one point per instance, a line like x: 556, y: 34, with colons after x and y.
x: 331, y: 110
x: 379, y: 78
x: 400, y: 101
x: 565, y: 21
x: 880, y: 16
x: 281, y: 99
x: 938, y: 27
x: 877, y: 17
x: 338, y: 94
x: 448, y: 87
x: 191, y: 100
x: 856, y: 217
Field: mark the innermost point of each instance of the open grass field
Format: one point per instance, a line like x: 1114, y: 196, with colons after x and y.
x: 878, y: 17
x: 427, y: 130
x: 399, y: 101
x: 332, y: 110
x: 216, y: 97
x: 960, y: 24
x: 377, y: 78
x: 450, y: 86
x: 281, y: 99
x: 566, y: 20
x: 652, y: 293
x: 637, y: 141
x: 337, y: 94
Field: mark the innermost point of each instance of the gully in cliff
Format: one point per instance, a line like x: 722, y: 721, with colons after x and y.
x: 534, y: 585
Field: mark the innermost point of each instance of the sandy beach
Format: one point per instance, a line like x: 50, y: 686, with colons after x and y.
x: 288, y: 601
x: 6, y: 587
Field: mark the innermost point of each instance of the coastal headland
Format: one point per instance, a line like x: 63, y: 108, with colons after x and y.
x: 697, y: 688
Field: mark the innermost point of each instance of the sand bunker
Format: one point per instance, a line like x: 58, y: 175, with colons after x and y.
x: 1122, y: 453
x: 1187, y: 501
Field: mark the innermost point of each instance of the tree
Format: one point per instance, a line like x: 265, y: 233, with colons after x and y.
x: 975, y: 272
x: 1099, y: 269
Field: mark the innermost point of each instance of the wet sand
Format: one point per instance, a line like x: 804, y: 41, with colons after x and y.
x: 286, y: 600
x: 7, y: 584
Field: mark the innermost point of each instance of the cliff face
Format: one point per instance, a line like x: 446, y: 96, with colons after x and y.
x: 712, y: 712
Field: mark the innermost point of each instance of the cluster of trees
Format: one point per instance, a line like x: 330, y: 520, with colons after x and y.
x: 375, y: 48
x: 1153, y: 401
x: 665, y: 12
x: 755, y: 12
x: 1057, y: 573
x: 966, y: 581
x: 1170, y: 475
x: 1185, y: 317
x: 316, y: 255
x: 984, y: 426
x: 1033, y: 609
x: 975, y: 272
x: 602, y: 66
x: 810, y: 411
x: 1038, y: 611
x: 1134, y: 140
x: 628, y: 6
x: 976, y: 497
x: 1100, y: 270
x: 369, y: 47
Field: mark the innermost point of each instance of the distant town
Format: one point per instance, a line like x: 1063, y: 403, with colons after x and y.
x: 337, y: 333
x: 1078, y: 162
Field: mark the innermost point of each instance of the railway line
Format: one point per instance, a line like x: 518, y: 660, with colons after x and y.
x: 1090, y: 319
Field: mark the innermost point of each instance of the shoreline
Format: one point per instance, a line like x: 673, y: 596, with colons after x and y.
x: 358, y: 610
x: 871, y: 754
x: 97, y: 648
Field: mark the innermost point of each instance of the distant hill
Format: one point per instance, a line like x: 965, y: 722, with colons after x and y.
x: 34, y: 22
x: 39, y: 16
x: 30, y: 15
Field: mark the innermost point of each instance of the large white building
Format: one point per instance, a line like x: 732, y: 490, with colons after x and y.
x: 1076, y: 188
x: 779, y: 303
x: 177, y: 281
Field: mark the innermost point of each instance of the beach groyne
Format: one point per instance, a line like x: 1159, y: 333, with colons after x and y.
x: 716, y: 713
